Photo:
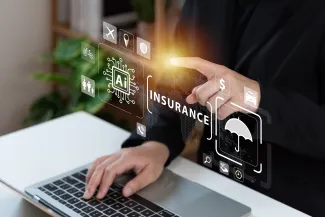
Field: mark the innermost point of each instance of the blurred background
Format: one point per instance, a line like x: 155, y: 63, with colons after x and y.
x: 41, y: 58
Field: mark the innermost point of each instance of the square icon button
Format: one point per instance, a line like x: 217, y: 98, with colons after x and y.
x: 250, y: 97
x: 126, y: 40
x: 239, y: 174
x: 224, y: 168
x: 109, y: 32
x: 88, y: 86
x: 143, y: 48
x: 88, y: 53
x: 141, y: 130
x: 207, y: 160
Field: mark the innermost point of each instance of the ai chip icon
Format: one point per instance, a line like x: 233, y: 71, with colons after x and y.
x: 121, y: 80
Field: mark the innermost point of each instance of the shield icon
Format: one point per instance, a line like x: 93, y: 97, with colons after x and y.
x: 238, y: 127
x: 143, y: 48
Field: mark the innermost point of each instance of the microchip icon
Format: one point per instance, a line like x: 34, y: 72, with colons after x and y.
x: 121, y: 80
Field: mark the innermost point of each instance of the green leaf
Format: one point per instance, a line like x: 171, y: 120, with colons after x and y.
x: 101, y: 82
x: 67, y: 50
x: 68, y: 54
x: 94, y: 105
x: 82, y: 69
x: 48, y: 107
x: 53, y: 78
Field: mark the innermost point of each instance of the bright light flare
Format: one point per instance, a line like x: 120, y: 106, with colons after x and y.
x: 173, y: 61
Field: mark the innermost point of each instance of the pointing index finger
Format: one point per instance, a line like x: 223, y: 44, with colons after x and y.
x: 205, y: 67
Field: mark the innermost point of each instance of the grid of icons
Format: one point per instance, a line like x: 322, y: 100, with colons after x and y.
x: 126, y: 40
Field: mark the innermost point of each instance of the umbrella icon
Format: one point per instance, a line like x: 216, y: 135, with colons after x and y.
x: 237, y: 126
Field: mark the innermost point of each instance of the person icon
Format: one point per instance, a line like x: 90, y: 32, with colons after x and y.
x: 84, y: 84
x: 89, y: 86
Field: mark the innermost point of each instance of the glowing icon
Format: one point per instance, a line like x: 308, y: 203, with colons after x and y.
x: 88, y: 86
x: 109, y: 32
x: 126, y: 39
x: 222, y: 84
x: 88, y: 52
x: 235, y: 125
x: 250, y: 97
x: 224, y: 168
x: 207, y: 160
x: 141, y: 130
x: 143, y: 48
x: 239, y: 174
x: 121, y: 80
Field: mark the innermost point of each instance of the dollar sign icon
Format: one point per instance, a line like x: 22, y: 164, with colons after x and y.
x: 222, y: 84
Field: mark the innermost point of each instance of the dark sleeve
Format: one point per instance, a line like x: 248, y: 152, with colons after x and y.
x: 297, y: 121
x: 164, y: 125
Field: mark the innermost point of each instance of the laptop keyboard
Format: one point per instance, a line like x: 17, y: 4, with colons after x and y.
x: 69, y: 192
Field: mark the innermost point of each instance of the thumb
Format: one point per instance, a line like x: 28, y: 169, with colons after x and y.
x: 191, y: 99
x: 140, y: 181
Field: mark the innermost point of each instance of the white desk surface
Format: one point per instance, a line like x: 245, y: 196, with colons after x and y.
x: 46, y: 150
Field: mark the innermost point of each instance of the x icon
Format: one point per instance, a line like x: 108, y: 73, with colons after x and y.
x: 110, y: 32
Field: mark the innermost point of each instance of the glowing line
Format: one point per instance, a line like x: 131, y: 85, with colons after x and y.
x: 210, y: 121
x: 149, y: 76
x: 261, y: 168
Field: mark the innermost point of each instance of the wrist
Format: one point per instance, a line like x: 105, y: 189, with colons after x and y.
x: 160, y: 150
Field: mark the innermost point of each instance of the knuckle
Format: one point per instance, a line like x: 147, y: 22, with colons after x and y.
x: 197, y: 93
x: 91, y: 184
x: 224, y: 69
x: 126, y: 151
x: 107, y: 170
x: 228, y: 76
x: 97, y: 162
x: 99, y: 168
x: 196, y: 59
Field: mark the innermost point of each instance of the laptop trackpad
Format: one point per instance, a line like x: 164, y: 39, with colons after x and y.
x: 186, y: 198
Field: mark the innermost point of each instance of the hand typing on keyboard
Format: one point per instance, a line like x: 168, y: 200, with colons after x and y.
x: 147, y: 161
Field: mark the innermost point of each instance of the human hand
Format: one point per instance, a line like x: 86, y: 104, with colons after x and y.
x: 208, y: 92
x: 147, y: 161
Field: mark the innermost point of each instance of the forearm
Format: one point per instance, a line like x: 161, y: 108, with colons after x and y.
x: 296, y: 121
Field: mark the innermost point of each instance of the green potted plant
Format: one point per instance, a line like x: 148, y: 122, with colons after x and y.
x: 68, y: 97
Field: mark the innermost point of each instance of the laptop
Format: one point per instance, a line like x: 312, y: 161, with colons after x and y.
x: 44, y: 167
x: 170, y: 196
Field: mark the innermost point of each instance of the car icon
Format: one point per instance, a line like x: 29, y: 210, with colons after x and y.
x: 250, y: 97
